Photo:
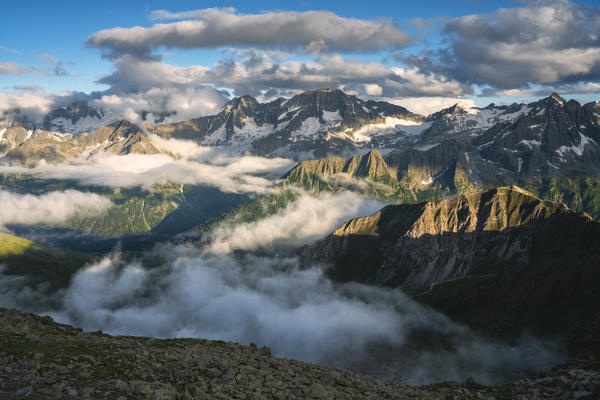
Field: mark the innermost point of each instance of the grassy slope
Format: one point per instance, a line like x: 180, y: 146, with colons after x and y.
x: 134, y: 211
x: 578, y: 193
x: 24, y: 257
x: 169, y: 208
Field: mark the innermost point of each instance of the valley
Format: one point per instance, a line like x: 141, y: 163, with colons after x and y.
x: 475, y: 226
x: 267, y: 200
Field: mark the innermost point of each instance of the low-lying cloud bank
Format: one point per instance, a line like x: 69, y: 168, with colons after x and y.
x: 270, y: 300
x: 302, y: 221
x: 297, y: 312
x: 177, y: 100
x: 49, y: 208
x: 198, y: 165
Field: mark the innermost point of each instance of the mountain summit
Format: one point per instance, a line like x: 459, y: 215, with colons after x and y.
x: 415, y: 245
x: 320, y: 121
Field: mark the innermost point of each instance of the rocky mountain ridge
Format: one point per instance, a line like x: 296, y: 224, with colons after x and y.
x: 503, y: 244
x: 320, y: 121
x: 381, y: 177
x: 490, y: 146
x: 519, y: 144
x: 28, y: 147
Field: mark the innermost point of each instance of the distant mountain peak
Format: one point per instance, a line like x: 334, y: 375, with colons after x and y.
x: 453, y: 110
x: 328, y: 90
x: 325, y: 97
x: 240, y: 101
x: 556, y: 97
x: 495, y: 209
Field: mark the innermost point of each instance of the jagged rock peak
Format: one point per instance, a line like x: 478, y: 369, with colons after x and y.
x: 242, y: 101
x: 453, y: 110
x: 329, y: 91
x: 492, y: 210
x: 555, y: 97
x: 324, y: 98
x: 122, y: 123
x: 371, y: 164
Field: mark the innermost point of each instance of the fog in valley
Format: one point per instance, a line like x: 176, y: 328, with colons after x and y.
x: 242, y: 282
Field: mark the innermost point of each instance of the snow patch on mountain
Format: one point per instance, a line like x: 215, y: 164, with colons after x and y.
x: 290, y: 110
x: 310, y: 127
x: 579, y: 149
x: 61, y: 137
x: 430, y: 146
x: 476, y: 120
x: 251, y: 131
x: 511, y: 116
x: 217, y: 137
x: 85, y: 124
x: 78, y: 125
x: 530, y: 143
x: 332, y: 117
x: 389, y: 126
x: 483, y: 118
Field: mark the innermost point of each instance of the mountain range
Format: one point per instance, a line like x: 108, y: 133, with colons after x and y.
x: 549, y: 137
x: 550, y: 147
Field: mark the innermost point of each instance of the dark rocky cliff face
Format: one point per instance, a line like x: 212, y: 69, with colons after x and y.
x: 554, y: 138
x: 501, y: 259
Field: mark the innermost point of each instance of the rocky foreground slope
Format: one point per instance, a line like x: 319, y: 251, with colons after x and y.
x: 41, y: 359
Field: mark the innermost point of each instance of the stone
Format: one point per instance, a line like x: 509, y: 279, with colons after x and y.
x: 582, y: 395
x: 211, y: 372
x: 24, y: 391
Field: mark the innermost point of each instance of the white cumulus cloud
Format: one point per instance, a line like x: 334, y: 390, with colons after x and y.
x: 49, y: 208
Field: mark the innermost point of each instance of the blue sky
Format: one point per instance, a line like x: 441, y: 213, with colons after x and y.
x: 44, y: 37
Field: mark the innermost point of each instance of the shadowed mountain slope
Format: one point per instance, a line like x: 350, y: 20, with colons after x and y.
x: 493, y: 259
